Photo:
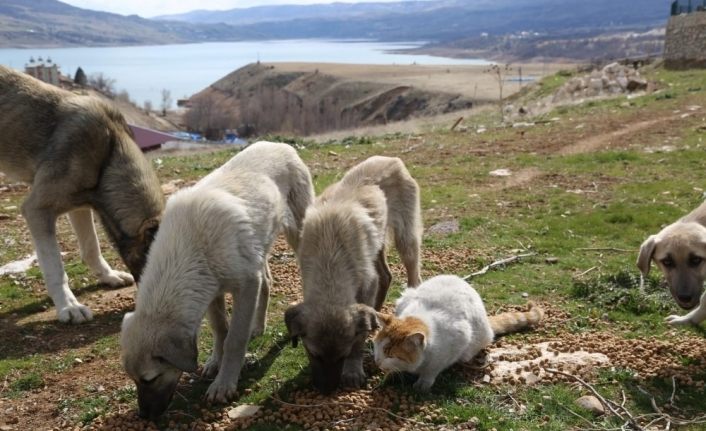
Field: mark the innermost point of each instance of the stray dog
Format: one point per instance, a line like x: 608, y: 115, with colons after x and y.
x: 343, y: 267
x: 214, y: 239
x: 77, y: 153
x: 679, y: 251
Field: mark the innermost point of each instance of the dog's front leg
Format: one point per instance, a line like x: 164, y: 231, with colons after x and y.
x: 694, y: 317
x: 225, y: 386
x: 42, y: 226
x: 353, y: 375
x: 218, y: 319
x: 82, y: 222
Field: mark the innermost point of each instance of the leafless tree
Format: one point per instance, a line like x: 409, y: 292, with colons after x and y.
x: 147, y: 105
x: 500, y: 74
x: 166, y: 101
x: 102, y: 83
x: 207, y: 117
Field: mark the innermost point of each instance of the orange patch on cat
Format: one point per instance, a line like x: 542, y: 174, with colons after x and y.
x: 397, y: 331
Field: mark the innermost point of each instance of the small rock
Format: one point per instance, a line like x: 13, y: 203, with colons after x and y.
x: 500, y: 173
x: 5, y: 427
x: 78, y: 361
x: 243, y: 411
x: 333, y: 153
x: 445, y: 228
x: 486, y: 378
x: 552, y: 260
x: 592, y: 404
x: 525, y: 294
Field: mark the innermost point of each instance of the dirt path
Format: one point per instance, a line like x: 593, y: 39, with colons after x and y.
x: 584, y: 146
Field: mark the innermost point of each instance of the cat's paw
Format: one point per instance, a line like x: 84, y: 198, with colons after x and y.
x: 423, y: 385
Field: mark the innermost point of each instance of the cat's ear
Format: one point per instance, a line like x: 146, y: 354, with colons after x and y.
x: 365, y: 318
x: 418, y: 339
x: 294, y: 318
x: 384, y: 319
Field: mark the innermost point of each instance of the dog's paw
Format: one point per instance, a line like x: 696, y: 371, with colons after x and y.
x: 423, y: 385
x: 353, y: 379
x: 221, y: 392
x: 675, y: 320
x: 116, y: 279
x: 75, y: 313
x: 210, y: 368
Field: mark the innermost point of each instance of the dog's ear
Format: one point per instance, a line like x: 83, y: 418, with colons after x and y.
x: 647, y: 250
x: 384, y: 319
x: 148, y: 230
x: 418, y: 340
x: 178, y: 347
x: 294, y: 319
x: 365, y: 318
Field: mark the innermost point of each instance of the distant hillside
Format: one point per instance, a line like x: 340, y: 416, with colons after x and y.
x: 454, y: 23
x: 440, y: 20
x: 260, y: 98
x: 28, y: 23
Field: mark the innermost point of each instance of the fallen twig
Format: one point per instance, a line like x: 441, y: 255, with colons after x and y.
x: 668, y: 418
x: 497, y: 263
x: 610, y: 405
x: 593, y: 268
x: 617, y: 250
x: 456, y: 123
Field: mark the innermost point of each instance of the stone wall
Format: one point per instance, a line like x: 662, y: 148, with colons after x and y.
x: 685, y: 44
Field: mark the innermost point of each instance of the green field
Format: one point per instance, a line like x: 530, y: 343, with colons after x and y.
x: 589, y: 183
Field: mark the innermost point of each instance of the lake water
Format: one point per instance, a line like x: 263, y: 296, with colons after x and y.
x: 143, y: 71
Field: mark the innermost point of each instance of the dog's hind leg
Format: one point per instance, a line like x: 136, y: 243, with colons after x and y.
x: 260, y: 319
x: 82, y: 223
x: 384, y: 279
x: 225, y: 386
x: 218, y: 319
x: 41, y: 220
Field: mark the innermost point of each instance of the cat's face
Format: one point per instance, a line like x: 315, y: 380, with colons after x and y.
x: 399, y: 345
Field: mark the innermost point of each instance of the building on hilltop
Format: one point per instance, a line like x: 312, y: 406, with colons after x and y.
x: 685, y: 41
x: 44, y: 70
x: 688, y: 6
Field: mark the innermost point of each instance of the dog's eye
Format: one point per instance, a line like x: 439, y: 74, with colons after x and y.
x: 668, y: 262
x: 695, y: 260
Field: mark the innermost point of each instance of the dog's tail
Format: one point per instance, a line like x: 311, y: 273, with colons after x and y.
x: 513, y: 321
x: 404, y: 218
x: 298, y: 198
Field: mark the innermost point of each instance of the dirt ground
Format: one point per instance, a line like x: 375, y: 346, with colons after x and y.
x: 38, y: 333
x: 471, y: 81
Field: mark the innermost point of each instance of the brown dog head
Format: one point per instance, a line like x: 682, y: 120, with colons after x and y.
x: 129, y: 199
x: 328, y: 335
x: 679, y: 250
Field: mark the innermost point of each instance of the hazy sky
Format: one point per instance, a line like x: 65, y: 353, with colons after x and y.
x: 149, y: 8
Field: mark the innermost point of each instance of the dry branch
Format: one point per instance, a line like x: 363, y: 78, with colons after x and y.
x: 497, y: 263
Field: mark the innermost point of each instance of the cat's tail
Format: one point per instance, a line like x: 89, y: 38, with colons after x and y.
x: 513, y: 321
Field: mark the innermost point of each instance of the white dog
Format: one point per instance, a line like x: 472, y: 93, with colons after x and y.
x: 214, y: 239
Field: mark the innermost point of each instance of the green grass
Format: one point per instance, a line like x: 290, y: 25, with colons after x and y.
x: 610, y: 199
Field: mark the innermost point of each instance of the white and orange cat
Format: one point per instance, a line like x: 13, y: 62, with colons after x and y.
x: 439, y: 323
